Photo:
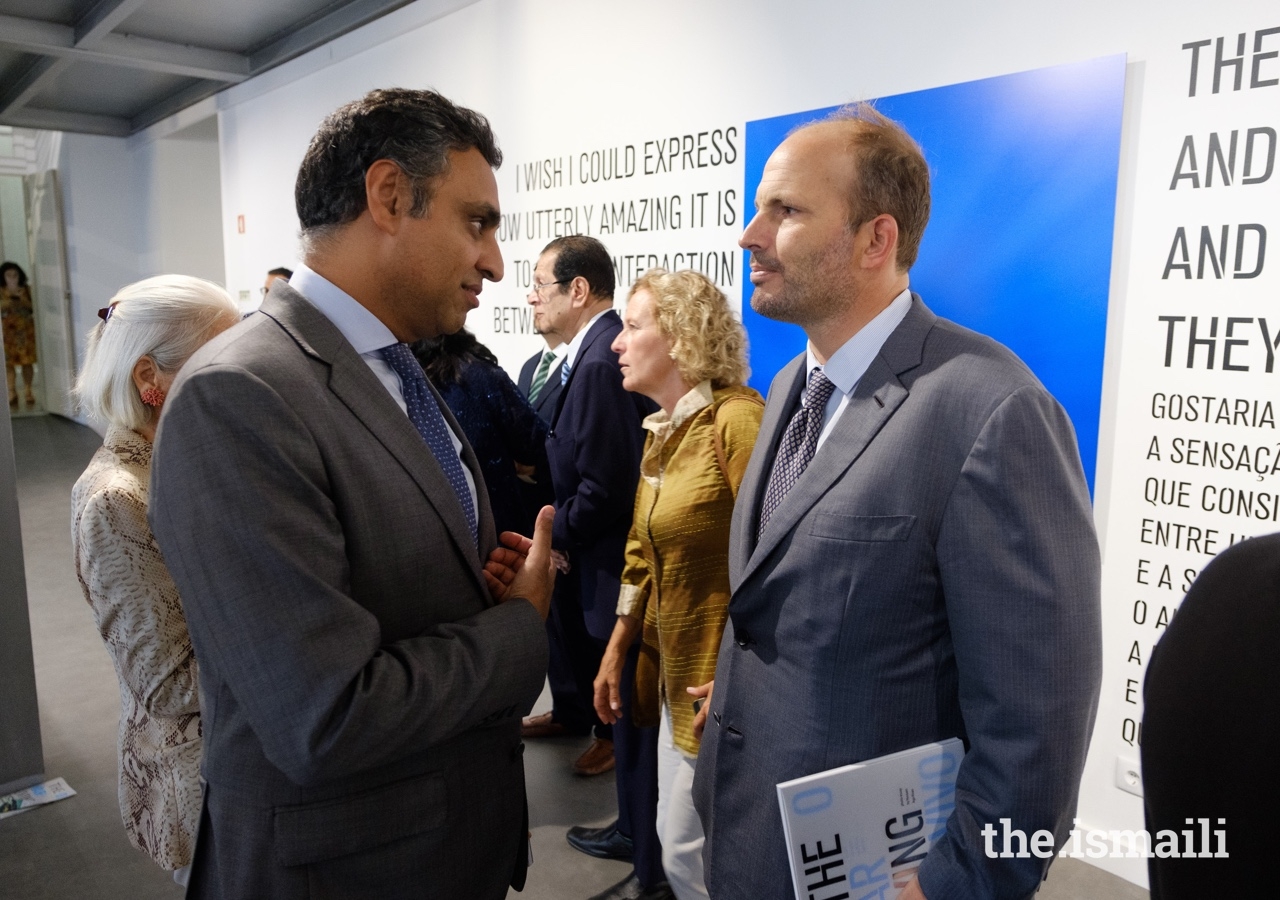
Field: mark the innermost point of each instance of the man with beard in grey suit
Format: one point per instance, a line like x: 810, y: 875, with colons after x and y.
x: 366, y: 647
x: 912, y: 553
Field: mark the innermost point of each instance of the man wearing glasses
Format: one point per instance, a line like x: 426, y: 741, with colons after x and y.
x: 594, y: 452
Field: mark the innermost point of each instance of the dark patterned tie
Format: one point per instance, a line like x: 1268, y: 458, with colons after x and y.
x: 540, y: 374
x: 799, y: 443
x: 424, y: 413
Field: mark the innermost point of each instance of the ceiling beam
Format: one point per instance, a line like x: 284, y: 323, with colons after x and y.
x: 49, y: 39
x: 29, y: 83
x: 55, y: 120
x: 174, y: 103
x: 347, y: 17
x: 103, y: 19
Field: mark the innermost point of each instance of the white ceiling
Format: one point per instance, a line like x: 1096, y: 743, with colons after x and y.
x: 117, y: 66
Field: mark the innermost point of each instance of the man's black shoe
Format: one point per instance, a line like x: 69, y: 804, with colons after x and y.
x: 629, y: 889
x: 602, y: 843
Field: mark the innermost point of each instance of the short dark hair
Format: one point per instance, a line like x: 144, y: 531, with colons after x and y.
x: 581, y: 256
x: 415, y: 129
x: 890, y: 176
x: 284, y: 273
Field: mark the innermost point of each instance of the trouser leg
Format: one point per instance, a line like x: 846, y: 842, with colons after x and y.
x: 679, y: 827
x: 636, y: 753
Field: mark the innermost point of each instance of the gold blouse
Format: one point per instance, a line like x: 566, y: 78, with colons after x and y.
x: 677, y: 561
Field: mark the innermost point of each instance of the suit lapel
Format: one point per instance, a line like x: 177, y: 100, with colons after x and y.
x: 784, y: 395
x: 602, y: 324
x: 354, y: 384
x: 550, y: 387
x: 874, y: 401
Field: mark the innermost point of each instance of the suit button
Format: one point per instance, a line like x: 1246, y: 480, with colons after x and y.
x: 743, y: 640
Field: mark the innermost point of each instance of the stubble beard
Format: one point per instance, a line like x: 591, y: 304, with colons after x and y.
x: 821, y: 292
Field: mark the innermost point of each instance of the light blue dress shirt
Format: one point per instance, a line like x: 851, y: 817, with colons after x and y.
x: 365, y: 332
x: 847, y: 365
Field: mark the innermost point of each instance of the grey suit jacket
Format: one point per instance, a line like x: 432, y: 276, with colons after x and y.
x: 361, y: 692
x: 933, y: 574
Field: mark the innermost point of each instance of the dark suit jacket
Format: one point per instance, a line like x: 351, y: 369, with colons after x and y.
x: 502, y: 429
x: 594, y: 452
x: 934, y: 573
x: 361, y: 691
x: 545, y: 403
x: 1211, y: 725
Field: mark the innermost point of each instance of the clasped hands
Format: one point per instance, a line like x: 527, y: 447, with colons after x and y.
x: 520, y: 568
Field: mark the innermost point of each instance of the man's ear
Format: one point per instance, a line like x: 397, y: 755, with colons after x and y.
x: 579, y: 292
x: 881, y: 242
x: 387, y: 193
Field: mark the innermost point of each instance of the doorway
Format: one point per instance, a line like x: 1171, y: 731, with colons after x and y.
x: 35, y: 303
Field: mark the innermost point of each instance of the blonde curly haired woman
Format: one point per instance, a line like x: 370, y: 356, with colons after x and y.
x: 682, y: 347
x: 148, y: 330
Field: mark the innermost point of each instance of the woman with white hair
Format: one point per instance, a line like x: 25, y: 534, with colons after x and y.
x: 148, y: 330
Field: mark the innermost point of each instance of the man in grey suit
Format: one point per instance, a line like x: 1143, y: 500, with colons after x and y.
x: 912, y: 555
x: 366, y: 647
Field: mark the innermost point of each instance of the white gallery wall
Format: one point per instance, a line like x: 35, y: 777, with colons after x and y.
x: 571, y: 84
x: 137, y: 207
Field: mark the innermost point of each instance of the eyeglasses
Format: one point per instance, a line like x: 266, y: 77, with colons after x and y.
x: 537, y: 288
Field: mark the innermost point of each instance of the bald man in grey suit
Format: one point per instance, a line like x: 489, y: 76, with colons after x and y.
x: 912, y: 553
x: 366, y: 648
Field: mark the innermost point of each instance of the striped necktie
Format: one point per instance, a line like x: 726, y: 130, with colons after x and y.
x: 540, y: 375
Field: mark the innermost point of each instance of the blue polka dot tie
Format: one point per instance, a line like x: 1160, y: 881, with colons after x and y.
x: 425, y: 414
x: 799, y: 443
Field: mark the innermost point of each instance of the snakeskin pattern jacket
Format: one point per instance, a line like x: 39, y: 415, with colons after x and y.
x: 139, y: 615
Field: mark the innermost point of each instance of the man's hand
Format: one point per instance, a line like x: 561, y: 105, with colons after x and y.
x: 700, y: 719
x: 560, y: 560
x: 912, y: 891
x: 520, y: 568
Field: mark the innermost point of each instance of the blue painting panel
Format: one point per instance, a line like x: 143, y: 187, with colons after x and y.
x: 1018, y: 246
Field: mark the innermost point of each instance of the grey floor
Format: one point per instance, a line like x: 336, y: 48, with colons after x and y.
x: 77, y: 848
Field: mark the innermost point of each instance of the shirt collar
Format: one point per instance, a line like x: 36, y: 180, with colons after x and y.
x: 128, y: 445
x: 698, y: 398
x: 847, y: 365
x: 571, y: 355
x: 363, y: 330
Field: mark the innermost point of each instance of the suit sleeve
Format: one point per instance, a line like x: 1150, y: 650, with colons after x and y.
x: 1020, y: 572
x: 637, y: 578
x: 606, y: 455
x: 244, y: 510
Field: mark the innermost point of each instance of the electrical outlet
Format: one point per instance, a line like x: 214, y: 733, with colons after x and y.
x: 1129, y: 775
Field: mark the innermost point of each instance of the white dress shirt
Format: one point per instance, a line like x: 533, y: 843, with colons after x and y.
x: 365, y: 332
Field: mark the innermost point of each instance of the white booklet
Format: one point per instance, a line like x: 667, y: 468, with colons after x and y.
x: 37, y: 795
x: 862, y: 830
